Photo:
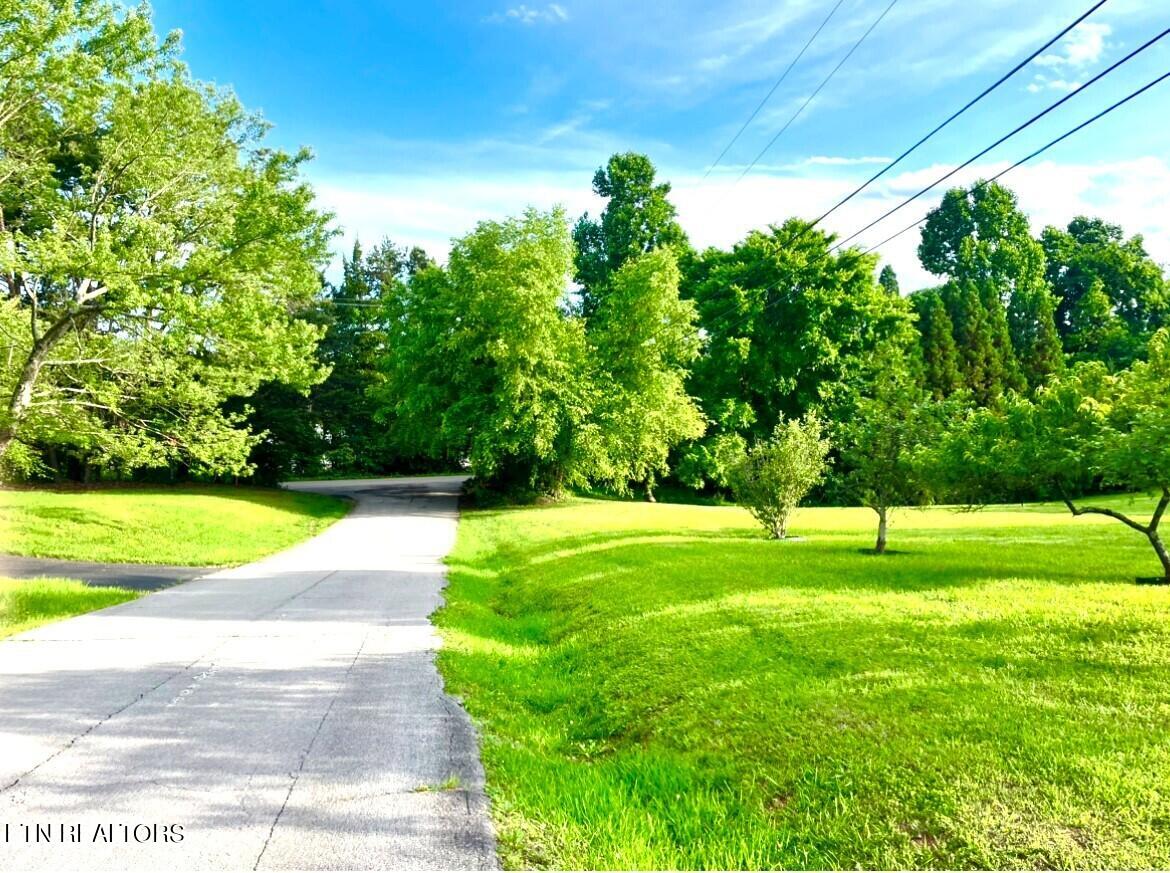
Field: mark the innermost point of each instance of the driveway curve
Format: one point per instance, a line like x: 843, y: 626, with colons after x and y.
x: 284, y: 714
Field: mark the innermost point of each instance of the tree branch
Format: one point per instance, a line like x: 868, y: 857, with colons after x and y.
x: 1112, y: 513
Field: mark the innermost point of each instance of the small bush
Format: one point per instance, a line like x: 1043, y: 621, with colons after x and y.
x: 773, y: 476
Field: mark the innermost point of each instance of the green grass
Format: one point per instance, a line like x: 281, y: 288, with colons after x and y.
x: 186, y: 525
x: 24, y: 604
x: 657, y: 686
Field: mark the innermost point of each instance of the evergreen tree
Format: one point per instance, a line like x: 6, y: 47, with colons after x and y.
x: 940, y: 357
x: 638, y: 218
x: 888, y: 279
x: 979, y: 237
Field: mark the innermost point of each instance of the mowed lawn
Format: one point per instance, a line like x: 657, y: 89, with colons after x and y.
x: 185, y: 525
x: 24, y: 603
x: 658, y: 686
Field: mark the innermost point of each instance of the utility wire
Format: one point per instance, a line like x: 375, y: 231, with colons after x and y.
x: 959, y: 112
x: 1037, y: 153
x: 824, y: 82
x: 777, y: 84
x: 1006, y: 136
x: 1118, y: 104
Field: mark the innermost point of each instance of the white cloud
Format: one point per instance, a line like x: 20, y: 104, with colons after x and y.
x: 430, y: 210
x: 1084, y: 45
x: 1044, y: 83
x: 832, y: 161
x: 553, y: 13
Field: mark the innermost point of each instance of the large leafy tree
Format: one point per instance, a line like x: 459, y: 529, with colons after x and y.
x: 790, y: 327
x: 643, y: 339
x: 980, y: 240
x: 156, y: 251
x: 1111, y: 295
x: 484, y: 363
x: 638, y: 218
x: 1087, y: 430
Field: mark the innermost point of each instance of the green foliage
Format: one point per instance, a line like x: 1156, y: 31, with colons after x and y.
x: 1111, y: 295
x: 637, y: 219
x: 354, y: 342
x: 888, y: 279
x: 185, y: 525
x: 484, y: 363
x: 658, y: 688
x: 882, y: 443
x: 998, y: 297
x: 155, y: 249
x: 791, y: 327
x: 774, y: 475
x: 25, y: 604
x: 940, y: 355
x: 1088, y: 430
x: 643, y: 339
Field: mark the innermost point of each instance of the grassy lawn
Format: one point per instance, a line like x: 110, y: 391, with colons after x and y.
x: 24, y: 604
x: 195, y: 525
x: 658, y: 686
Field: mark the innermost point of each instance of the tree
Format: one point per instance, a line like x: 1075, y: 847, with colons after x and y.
x: 643, y: 339
x: 156, y: 249
x: 1087, y: 430
x: 1111, y: 295
x: 483, y: 362
x: 940, y: 356
x: 888, y: 279
x: 774, y: 475
x: 638, y: 218
x: 880, y: 445
x: 987, y: 362
x: 791, y: 326
x: 980, y: 240
x: 354, y: 342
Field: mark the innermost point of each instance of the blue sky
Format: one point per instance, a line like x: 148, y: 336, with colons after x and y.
x: 426, y: 117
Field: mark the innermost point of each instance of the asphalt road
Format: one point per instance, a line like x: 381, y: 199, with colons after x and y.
x: 140, y: 577
x: 285, y: 714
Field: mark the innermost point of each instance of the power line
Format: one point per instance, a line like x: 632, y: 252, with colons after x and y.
x: 1118, y: 104
x: 1006, y: 137
x: 824, y: 82
x: 777, y: 84
x: 956, y: 114
x: 1037, y: 153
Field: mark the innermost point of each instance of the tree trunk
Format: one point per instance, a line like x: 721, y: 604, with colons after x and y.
x: 1163, y: 554
x: 650, y: 489
x: 780, y: 528
x: 22, y: 394
x: 883, y: 513
x: 1150, y: 530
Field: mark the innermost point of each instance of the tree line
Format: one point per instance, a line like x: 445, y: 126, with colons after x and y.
x: 164, y: 316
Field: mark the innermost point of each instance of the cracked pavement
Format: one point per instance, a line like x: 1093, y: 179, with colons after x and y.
x: 285, y: 714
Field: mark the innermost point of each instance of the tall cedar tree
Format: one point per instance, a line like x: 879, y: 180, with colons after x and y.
x: 638, y: 218
x: 888, y: 279
x: 980, y: 240
x: 940, y: 356
x: 352, y: 347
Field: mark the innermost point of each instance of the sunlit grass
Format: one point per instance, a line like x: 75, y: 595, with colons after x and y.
x: 658, y: 686
x: 27, y: 603
x: 191, y: 525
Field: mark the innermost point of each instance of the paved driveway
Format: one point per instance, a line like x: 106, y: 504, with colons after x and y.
x: 284, y: 714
